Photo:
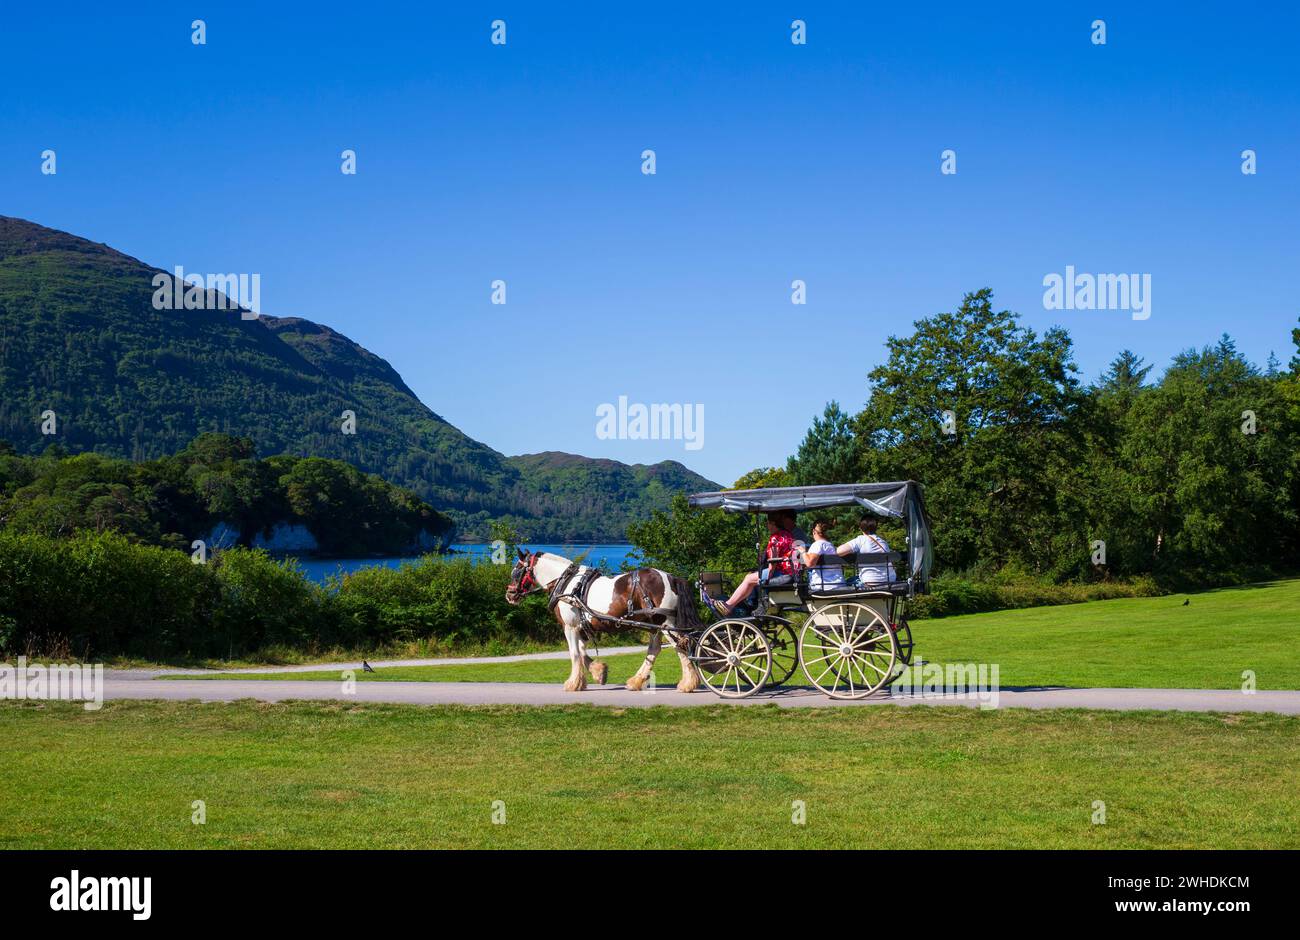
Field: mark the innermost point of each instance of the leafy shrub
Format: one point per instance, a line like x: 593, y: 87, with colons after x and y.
x: 8, y: 632
x: 959, y: 595
x: 452, y: 601
x: 101, y: 595
x: 104, y: 594
x: 267, y: 602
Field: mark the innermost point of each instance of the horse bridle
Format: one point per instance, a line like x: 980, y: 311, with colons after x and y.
x: 527, y: 581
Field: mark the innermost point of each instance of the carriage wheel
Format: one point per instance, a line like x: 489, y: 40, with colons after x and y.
x: 904, y: 642
x: 785, y: 649
x: 848, y: 650
x: 734, y: 658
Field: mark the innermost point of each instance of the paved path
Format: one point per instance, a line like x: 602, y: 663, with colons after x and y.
x: 377, y: 663
x: 125, y: 686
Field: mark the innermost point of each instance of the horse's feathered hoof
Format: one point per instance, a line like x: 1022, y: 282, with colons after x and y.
x: 576, y: 685
x: 636, y: 683
x: 599, y: 673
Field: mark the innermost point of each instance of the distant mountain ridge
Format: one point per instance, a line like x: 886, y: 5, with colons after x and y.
x: 79, y: 335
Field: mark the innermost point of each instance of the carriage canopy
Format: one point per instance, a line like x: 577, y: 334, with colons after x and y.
x: 900, y: 500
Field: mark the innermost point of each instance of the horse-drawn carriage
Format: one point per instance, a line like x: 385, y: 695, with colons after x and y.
x: 854, y: 636
x: 849, y: 638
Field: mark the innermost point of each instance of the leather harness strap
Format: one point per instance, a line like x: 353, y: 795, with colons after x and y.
x: 573, y: 585
x: 557, y: 589
x: 633, y: 587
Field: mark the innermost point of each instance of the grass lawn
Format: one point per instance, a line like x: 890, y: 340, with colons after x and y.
x: 1153, y: 642
x: 1140, y: 642
x: 387, y: 776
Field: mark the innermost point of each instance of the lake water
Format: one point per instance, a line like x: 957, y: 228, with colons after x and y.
x: 318, y: 569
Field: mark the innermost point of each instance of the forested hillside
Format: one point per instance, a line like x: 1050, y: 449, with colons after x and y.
x: 580, y: 493
x: 79, y: 336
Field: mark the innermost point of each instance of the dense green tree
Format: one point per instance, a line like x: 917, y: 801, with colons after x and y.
x: 1207, y: 456
x: 762, y: 477
x: 686, y: 541
x: 218, y: 479
x: 829, y: 452
x: 1124, y: 378
x: 993, y: 420
x: 1194, y: 478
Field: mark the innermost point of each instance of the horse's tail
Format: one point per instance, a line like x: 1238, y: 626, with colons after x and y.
x: 688, y: 615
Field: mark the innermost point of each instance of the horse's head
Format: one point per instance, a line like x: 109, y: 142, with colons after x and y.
x: 523, y: 578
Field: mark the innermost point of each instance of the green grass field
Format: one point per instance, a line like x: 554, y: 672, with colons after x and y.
x: 385, y: 776
x: 1149, y: 642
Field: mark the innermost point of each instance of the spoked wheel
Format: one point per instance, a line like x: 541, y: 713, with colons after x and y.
x: 785, y: 648
x: 904, y: 633
x: 734, y: 658
x: 848, y: 650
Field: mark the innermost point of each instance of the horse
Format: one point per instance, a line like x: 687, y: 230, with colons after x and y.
x: 639, y: 590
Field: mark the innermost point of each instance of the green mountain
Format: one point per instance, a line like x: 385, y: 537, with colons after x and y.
x: 577, y: 493
x: 80, y: 336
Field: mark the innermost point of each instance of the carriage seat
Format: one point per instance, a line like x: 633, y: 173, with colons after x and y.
x: 715, y: 584
x: 859, y: 590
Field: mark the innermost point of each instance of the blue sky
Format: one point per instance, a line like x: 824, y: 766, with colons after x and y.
x: 775, y: 162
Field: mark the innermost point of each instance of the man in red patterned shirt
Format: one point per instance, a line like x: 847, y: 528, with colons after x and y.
x: 780, y: 546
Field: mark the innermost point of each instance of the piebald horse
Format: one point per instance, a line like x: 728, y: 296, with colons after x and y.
x: 613, y: 596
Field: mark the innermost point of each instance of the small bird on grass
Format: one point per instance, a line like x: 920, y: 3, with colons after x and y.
x: 1186, y: 602
x: 366, y: 667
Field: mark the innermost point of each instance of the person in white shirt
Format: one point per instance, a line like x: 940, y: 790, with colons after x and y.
x: 821, y: 559
x: 868, y: 543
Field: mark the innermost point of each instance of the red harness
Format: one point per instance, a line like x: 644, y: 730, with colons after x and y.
x: 528, y: 580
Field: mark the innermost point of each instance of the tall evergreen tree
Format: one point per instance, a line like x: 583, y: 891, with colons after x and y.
x: 829, y: 451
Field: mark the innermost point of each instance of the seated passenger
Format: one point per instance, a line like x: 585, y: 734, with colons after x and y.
x: 870, y: 574
x: 822, y: 560
x: 789, y: 520
x: 780, y: 544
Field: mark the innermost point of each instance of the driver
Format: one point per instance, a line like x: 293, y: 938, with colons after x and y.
x: 780, y: 544
x: 790, y: 522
